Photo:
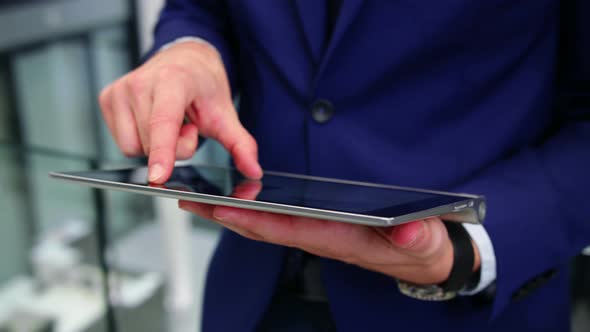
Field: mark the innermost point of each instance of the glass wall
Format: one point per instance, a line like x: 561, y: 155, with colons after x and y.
x: 55, y: 56
x: 58, y: 241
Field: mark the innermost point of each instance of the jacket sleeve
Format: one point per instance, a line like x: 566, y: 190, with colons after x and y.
x: 206, y: 19
x: 539, y: 214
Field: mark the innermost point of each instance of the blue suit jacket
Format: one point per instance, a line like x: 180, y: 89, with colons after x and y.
x: 457, y: 95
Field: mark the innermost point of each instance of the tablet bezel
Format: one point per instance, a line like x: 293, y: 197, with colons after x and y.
x: 471, y: 209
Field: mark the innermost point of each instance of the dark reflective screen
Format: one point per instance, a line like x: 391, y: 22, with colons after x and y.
x: 325, y: 195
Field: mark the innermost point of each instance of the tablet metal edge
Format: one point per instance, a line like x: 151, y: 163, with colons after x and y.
x: 360, y: 183
x: 466, y: 211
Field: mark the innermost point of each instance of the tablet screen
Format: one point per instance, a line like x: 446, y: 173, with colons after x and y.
x: 276, y: 188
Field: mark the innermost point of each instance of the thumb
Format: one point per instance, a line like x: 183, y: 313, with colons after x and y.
x: 412, y: 237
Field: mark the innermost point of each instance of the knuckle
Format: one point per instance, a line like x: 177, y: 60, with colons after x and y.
x: 212, y: 126
x: 136, y: 84
x: 119, y: 85
x: 159, y: 151
x: 171, y: 72
x: 118, y: 91
x: 157, y: 121
x: 207, y: 52
x: 212, y: 72
x: 130, y: 150
x: 252, y: 144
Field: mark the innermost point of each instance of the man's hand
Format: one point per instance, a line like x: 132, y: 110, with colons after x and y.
x: 419, y: 252
x: 146, y: 110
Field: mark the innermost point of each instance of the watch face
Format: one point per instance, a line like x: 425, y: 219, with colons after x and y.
x: 425, y: 292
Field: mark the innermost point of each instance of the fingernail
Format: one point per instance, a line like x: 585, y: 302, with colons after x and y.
x: 188, y: 143
x: 156, y: 171
x: 225, y: 215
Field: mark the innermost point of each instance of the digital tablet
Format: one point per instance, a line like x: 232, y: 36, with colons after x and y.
x: 293, y: 194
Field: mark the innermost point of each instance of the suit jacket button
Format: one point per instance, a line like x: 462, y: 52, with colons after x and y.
x: 322, y: 111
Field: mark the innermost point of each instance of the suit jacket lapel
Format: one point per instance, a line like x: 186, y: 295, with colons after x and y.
x: 312, y: 16
x: 348, y: 11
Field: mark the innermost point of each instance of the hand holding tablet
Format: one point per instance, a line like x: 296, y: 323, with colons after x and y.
x: 325, y: 217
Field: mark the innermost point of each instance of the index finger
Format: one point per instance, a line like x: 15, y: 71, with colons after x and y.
x: 164, y: 127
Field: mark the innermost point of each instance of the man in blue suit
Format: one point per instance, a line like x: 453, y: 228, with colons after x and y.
x: 487, y: 97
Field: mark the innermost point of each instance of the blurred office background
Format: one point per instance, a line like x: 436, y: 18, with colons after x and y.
x: 58, y: 241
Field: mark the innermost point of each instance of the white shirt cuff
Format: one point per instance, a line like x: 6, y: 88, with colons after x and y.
x: 486, y: 253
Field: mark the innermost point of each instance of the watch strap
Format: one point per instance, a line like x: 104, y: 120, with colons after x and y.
x: 463, y: 258
x: 425, y: 292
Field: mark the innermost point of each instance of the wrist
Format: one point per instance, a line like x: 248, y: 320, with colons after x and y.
x: 463, y: 258
x: 190, y: 50
x: 463, y: 268
x: 198, y: 44
x: 440, y: 270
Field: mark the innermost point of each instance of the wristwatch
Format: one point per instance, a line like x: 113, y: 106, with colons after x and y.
x: 461, y: 275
